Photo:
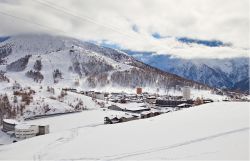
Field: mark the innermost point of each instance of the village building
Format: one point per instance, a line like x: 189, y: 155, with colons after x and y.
x: 115, y: 108
x: 207, y: 101
x: 24, y: 131
x: 129, y: 107
x: 120, y: 118
x: 69, y: 89
x: 186, y: 93
x: 111, y: 120
x: 99, y: 95
x: 152, y: 113
x: 113, y: 94
x: 9, y: 125
x: 172, y: 103
x: 151, y: 99
x: 139, y: 90
x: 136, y: 109
x: 184, y: 105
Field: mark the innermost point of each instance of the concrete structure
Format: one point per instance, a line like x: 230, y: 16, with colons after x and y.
x: 23, y: 131
x: 9, y: 125
x: 186, y: 93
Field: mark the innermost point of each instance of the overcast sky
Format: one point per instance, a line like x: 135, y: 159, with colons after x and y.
x: 142, y: 25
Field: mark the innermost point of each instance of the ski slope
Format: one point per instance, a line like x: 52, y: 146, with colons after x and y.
x: 212, y: 131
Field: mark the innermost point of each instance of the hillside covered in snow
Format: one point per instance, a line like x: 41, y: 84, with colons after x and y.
x: 230, y: 73
x: 217, y: 131
x: 35, y: 69
x: 62, y: 61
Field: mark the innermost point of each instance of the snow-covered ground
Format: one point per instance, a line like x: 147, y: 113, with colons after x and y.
x: 89, y: 118
x: 217, y: 131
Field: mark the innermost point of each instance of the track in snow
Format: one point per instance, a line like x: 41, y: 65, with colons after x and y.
x: 60, y: 141
x: 152, y: 150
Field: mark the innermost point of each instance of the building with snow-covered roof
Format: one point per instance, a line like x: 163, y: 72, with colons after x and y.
x: 151, y: 99
x: 129, y: 107
x: 139, y: 90
x: 151, y: 113
x: 99, y: 95
x: 23, y: 131
x: 123, y: 117
x: 9, y: 125
x: 172, y: 103
x: 184, y: 105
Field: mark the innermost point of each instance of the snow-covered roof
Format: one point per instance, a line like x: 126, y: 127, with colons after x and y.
x: 11, y: 121
x: 132, y: 106
x: 148, y: 112
x: 24, y: 126
x: 183, y: 104
x: 120, y: 115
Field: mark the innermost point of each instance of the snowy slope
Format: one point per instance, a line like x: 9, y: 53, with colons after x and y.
x: 211, y: 131
x: 91, y: 65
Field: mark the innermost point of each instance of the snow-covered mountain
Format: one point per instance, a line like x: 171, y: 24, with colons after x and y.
x: 68, y: 62
x: 222, y: 73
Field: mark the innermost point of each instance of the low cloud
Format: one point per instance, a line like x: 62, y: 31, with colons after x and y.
x: 131, y: 24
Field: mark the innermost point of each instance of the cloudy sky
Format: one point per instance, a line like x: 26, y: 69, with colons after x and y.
x: 185, y: 28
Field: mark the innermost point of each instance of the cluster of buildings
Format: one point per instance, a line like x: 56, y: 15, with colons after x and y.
x: 143, y: 105
x: 23, y: 130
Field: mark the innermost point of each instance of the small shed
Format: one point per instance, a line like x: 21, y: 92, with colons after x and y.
x: 43, y: 129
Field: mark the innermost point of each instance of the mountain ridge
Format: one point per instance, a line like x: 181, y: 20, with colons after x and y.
x: 69, y: 62
x: 217, y: 73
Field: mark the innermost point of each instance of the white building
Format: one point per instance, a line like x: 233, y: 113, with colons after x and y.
x: 99, y: 95
x: 9, y: 124
x: 23, y: 131
x: 186, y: 92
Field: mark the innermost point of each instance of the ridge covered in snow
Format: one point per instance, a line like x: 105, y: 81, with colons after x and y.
x: 219, y: 73
x: 66, y: 61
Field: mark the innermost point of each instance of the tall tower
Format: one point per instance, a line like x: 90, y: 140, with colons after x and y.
x: 186, y: 92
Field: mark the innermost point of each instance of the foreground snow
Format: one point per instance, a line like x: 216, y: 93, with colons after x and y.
x: 213, y: 131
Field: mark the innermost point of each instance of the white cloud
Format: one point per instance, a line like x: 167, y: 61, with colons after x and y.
x: 113, y: 20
